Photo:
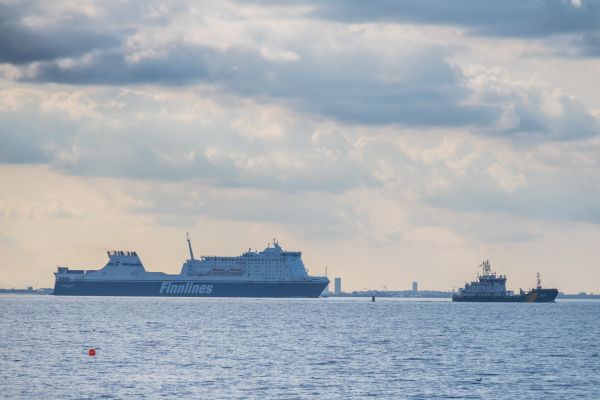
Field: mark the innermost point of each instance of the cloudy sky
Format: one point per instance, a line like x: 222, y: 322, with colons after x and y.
x: 390, y: 141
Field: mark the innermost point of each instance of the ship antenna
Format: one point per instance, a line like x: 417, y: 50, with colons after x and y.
x: 485, y: 267
x: 190, y: 246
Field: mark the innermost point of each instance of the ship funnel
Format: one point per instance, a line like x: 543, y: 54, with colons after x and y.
x: 190, y: 246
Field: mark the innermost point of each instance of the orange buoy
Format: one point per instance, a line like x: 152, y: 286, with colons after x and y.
x: 92, y: 352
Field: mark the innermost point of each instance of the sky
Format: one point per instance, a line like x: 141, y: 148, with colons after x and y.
x: 390, y: 141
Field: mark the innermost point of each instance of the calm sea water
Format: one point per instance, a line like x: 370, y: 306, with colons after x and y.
x: 288, y: 349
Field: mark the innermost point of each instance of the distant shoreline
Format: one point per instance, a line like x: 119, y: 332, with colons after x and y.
x: 429, y: 294
x: 408, y: 294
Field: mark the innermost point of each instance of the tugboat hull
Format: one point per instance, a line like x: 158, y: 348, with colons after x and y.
x: 534, y: 296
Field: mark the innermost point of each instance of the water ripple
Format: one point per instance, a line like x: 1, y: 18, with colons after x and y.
x: 296, y: 349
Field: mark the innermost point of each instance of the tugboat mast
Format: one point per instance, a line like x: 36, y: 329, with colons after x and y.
x: 486, y: 267
x: 539, y: 281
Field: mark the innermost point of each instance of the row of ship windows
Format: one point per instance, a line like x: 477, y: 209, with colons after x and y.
x: 260, y: 266
x: 254, y: 266
x: 126, y: 264
x: 244, y: 259
x: 243, y: 263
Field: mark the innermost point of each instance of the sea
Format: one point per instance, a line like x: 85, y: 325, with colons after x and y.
x: 327, y: 348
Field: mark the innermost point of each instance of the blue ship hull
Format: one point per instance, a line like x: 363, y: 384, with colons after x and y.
x: 189, y: 288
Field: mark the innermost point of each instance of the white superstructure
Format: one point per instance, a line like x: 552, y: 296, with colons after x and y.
x: 487, y: 284
x: 271, y: 264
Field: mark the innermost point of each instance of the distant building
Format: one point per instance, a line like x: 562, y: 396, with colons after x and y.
x: 338, y: 285
x: 415, y: 287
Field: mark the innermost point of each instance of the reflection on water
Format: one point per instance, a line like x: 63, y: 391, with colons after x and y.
x: 283, y: 348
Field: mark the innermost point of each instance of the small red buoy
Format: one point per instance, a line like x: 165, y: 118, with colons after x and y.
x: 92, y: 352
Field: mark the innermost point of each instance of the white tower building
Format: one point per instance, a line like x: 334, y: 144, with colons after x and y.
x: 338, y: 285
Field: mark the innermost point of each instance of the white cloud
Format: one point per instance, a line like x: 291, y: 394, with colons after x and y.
x: 279, y: 55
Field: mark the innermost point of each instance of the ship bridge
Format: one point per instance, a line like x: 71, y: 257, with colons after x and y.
x: 487, y: 284
x: 118, y: 259
x: 121, y: 264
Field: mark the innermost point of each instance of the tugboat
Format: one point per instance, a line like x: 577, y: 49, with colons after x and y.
x: 490, y: 287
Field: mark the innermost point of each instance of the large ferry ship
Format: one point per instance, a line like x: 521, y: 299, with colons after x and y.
x: 490, y: 287
x: 273, y: 272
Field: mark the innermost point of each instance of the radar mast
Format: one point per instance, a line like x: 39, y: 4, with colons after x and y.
x: 190, y: 246
x: 486, y: 267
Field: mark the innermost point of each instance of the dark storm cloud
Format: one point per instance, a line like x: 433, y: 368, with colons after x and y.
x: 354, y: 85
x: 348, y: 87
x: 511, y: 18
x: 353, y: 88
x: 178, y: 66
x: 533, y: 19
x: 422, y: 90
x: 21, y: 44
